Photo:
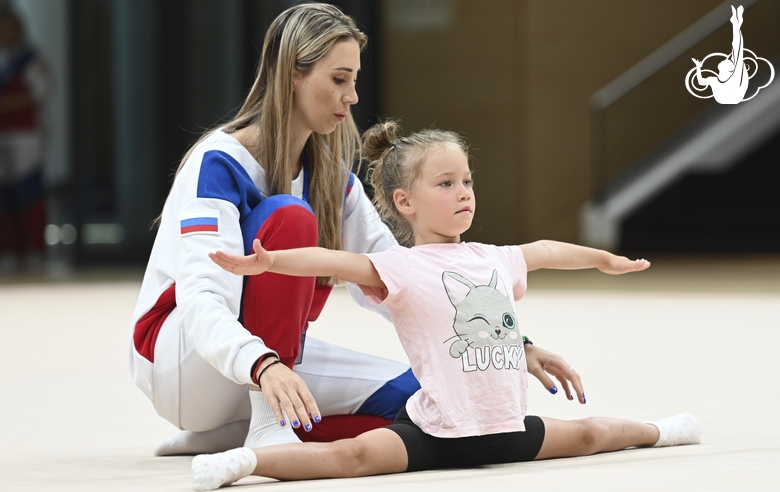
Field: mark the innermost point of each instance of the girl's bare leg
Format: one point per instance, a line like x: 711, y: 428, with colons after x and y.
x: 377, y: 452
x: 563, y: 439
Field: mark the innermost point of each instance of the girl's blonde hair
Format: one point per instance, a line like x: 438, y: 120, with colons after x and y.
x: 395, y: 163
x: 295, y: 41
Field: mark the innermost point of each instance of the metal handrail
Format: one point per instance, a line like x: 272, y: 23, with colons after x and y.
x: 658, y: 59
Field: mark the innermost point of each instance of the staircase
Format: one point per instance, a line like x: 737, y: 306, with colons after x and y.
x: 713, y: 185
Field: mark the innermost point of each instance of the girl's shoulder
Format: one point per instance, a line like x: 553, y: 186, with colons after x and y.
x: 512, y: 253
x: 484, y: 247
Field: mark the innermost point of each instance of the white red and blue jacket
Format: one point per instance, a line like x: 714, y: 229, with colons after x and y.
x: 214, y: 191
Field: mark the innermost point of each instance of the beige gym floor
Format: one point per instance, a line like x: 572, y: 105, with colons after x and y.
x: 700, y: 336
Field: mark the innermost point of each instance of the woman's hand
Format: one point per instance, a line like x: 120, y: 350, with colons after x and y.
x: 253, y: 264
x: 285, y: 390
x: 617, y: 265
x: 541, y: 363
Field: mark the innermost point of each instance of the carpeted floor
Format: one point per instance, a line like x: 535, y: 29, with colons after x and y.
x: 699, y: 336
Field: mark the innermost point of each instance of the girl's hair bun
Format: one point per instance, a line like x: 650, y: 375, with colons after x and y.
x: 378, y: 139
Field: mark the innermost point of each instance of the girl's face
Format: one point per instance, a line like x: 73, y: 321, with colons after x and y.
x: 441, y: 205
x: 322, y: 96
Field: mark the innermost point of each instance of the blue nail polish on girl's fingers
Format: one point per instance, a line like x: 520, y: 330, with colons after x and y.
x: 583, y: 398
x: 553, y: 390
x: 570, y: 397
x: 317, y: 419
x: 307, y: 427
x: 296, y: 423
x: 281, y: 422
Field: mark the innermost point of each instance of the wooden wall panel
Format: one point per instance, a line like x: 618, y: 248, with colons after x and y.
x: 516, y: 77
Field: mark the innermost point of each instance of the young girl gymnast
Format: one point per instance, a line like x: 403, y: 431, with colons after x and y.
x: 452, y: 305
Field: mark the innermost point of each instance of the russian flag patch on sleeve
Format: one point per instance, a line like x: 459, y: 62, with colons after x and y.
x: 199, y: 222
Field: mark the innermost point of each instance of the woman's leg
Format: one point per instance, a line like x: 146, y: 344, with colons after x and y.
x: 377, y: 452
x: 355, y: 392
x: 278, y: 309
x: 567, y: 438
x: 188, y: 392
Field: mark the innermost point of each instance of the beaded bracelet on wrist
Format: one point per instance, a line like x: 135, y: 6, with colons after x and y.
x: 256, y: 365
x: 259, y: 376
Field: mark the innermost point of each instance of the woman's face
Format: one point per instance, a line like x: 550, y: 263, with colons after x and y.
x: 322, y: 96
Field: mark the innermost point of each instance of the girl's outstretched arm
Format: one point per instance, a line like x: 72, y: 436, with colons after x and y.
x: 565, y: 256
x: 302, y: 262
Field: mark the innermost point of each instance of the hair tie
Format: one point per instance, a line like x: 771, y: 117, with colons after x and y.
x: 387, y: 151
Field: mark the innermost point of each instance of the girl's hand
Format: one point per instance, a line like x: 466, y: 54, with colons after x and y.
x: 254, y: 264
x: 617, y: 265
x: 541, y: 363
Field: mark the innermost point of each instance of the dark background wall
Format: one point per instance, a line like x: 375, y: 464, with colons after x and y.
x: 145, y: 78
x: 148, y: 78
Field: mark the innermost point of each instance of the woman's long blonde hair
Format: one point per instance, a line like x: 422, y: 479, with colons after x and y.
x: 297, y: 39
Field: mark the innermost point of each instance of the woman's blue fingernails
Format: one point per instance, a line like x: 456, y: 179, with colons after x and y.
x: 553, y: 390
x: 307, y: 427
x: 570, y: 397
x: 296, y: 423
x: 584, y: 400
x: 317, y: 419
x: 281, y: 422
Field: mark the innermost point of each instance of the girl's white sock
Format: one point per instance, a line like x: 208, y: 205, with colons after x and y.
x: 211, y: 471
x: 264, y: 430
x: 678, y: 429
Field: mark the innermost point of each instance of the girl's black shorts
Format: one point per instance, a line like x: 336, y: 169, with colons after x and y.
x: 427, y: 452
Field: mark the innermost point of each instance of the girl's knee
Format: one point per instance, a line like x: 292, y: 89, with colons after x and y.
x: 588, y: 434
x: 352, y: 456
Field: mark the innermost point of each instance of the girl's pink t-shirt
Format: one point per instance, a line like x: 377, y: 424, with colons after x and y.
x: 453, y: 308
